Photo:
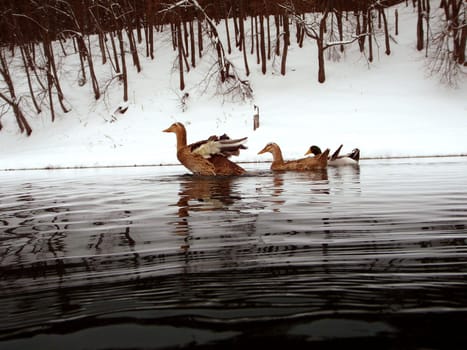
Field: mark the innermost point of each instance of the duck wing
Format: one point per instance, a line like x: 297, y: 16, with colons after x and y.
x: 335, y: 155
x: 214, y: 145
x: 196, y: 163
x: 224, y: 166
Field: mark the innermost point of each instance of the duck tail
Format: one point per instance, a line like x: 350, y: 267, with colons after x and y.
x: 323, y: 157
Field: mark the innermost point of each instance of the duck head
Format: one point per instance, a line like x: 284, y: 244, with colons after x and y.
x: 314, y: 150
x: 175, y: 127
x: 355, y: 154
x: 270, y: 147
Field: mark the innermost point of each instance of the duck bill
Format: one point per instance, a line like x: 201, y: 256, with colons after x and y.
x: 169, y: 129
x: 308, y: 152
x: 264, y: 150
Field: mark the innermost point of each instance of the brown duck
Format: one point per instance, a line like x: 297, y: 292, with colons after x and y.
x: 208, y: 157
x: 308, y: 163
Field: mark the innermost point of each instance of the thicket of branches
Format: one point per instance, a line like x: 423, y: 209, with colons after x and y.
x: 34, y: 32
x: 445, y: 39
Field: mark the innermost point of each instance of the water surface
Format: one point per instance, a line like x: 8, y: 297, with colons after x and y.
x: 153, y: 258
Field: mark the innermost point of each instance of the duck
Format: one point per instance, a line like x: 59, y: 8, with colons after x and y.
x: 308, y: 163
x: 208, y: 157
x: 335, y: 159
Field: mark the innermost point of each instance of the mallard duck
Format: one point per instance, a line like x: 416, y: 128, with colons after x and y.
x: 308, y: 163
x: 335, y: 159
x: 208, y: 157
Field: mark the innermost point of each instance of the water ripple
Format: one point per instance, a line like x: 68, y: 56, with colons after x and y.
x: 388, y: 237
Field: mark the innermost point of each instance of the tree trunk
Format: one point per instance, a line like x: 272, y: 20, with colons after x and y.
x: 286, y: 45
x: 462, y: 45
x: 458, y: 33
x: 185, y: 38
x: 320, y: 43
x: 420, y: 35
x: 138, y: 21
x: 151, y: 24
x: 30, y: 56
x: 146, y: 39
x: 56, y: 80
x: 370, y: 36
x: 361, y: 40
x: 28, y: 75
x: 115, y: 52
x: 278, y: 38
x: 262, y: 45
x: 173, y: 30
x: 13, y: 101
x: 48, y: 71
x: 200, y: 39
x: 227, y: 32
x: 258, y: 59
x: 192, y: 44
x: 242, y: 38
x: 82, y: 58
x: 184, y: 44
x: 122, y: 57
x: 86, y: 54
x: 338, y: 15
x: 180, y: 55
x: 134, y: 51
x: 102, y: 47
x: 396, y: 19
x: 92, y: 73
x: 235, y: 18
x: 269, y: 37
x: 386, y: 31
x: 252, y: 31
x: 21, y: 119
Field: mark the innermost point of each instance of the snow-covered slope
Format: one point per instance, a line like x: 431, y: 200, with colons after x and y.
x: 390, y: 107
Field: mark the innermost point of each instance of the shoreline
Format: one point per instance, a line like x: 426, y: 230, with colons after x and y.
x: 240, y: 162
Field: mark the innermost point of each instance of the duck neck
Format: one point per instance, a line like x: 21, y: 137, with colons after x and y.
x: 277, y: 156
x: 181, y: 138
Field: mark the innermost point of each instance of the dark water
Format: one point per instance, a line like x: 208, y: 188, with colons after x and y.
x: 152, y: 258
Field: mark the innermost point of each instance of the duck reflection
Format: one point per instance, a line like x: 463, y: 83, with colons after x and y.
x: 205, y: 193
x: 277, y: 190
x: 351, y: 172
x: 316, y: 175
x: 316, y: 181
x: 201, y: 194
x: 319, y: 181
x: 346, y: 178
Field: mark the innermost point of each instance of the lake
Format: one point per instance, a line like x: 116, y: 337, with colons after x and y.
x: 154, y: 258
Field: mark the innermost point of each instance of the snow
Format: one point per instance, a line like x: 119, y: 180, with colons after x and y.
x: 388, y: 108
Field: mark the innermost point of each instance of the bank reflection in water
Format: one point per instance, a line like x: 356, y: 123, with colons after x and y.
x: 54, y: 224
x: 285, y: 247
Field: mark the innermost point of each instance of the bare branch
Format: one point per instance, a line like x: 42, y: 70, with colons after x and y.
x: 227, y: 71
x: 345, y: 42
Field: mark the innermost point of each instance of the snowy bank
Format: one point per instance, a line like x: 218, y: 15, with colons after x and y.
x: 387, y: 108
